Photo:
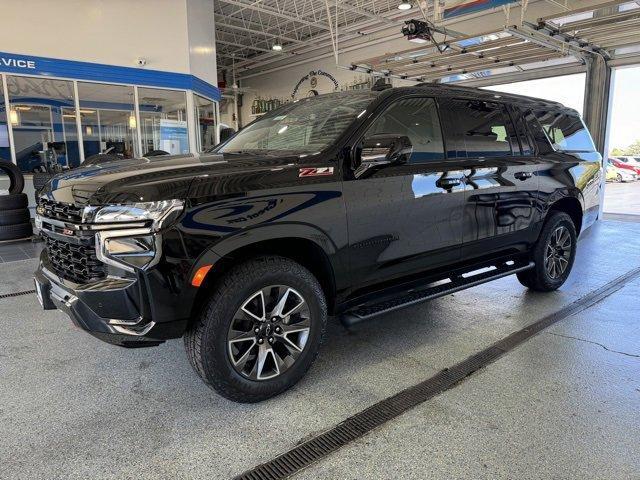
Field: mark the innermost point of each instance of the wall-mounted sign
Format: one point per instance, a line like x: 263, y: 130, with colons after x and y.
x: 17, y: 63
x: 174, y: 136
x: 313, y: 77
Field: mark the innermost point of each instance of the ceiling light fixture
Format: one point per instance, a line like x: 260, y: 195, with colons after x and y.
x: 405, y: 6
x: 277, y: 47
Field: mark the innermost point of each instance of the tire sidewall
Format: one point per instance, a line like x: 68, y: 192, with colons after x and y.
x: 557, y: 220
x: 215, y: 359
x: 16, y: 179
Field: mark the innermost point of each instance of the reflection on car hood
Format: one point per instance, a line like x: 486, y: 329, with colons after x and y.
x: 146, y: 180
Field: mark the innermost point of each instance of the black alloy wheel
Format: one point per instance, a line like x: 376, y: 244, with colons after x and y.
x: 269, y: 332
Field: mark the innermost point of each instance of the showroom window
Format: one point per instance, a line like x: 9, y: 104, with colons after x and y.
x: 108, y: 119
x: 5, y: 150
x: 206, y: 115
x: 163, y: 120
x: 417, y: 118
x: 42, y: 115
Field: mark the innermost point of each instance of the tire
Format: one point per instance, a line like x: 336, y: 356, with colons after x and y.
x: 540, y: 278
x: 13, y: 201
x: 16, y: 179
x: 14, y: 232
x: 40, y: 179
x: 206, y: 341
x: 619, y: 178
x: 13, y: 217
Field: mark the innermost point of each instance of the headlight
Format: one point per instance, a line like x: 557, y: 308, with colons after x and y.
x: 132, y: 248
x: 158, y: 213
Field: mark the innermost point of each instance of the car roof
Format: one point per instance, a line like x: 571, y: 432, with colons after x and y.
x: 440, y: 89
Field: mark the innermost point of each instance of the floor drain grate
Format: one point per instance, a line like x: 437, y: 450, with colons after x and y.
x: 372, y: 417
x: 16, y: 294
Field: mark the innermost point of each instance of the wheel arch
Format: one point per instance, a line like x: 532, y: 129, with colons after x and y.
x: 305, y: 245
x: 572, y: 207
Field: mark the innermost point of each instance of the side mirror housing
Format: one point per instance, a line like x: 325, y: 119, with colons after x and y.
x: 380, y: 150
x: 386, y: 148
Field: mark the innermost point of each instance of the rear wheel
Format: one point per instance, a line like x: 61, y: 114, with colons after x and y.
x: 260, y: 331
x: 553, y: 254
x: 619, y: 178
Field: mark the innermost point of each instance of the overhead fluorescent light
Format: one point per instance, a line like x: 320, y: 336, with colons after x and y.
x: 276, y: 47
x: 14, y: 117
x: 405, y: 6
x: 132, y: 122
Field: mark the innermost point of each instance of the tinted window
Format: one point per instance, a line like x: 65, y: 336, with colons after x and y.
x: 482, y: 129
x: 417, y: 118
x: 566, y: 132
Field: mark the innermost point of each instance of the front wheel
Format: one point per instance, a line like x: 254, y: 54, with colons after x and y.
x: 553, y: 254
x: 619, y: 178
x: 260, y: 331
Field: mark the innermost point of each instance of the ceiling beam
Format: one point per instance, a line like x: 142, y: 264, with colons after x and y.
x: 266, y: 34
x: 240, y: 45
x: 276, y: 13
x: 365, y: 13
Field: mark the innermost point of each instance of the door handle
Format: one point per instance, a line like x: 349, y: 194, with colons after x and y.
x: 523, y: 175
x: 449, y: 182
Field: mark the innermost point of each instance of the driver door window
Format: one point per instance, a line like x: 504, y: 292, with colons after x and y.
x: 416, y: 118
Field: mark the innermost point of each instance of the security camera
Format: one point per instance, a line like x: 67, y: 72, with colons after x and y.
x: 142, y: 62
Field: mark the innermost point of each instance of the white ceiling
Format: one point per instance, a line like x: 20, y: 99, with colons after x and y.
x: 247, y: 29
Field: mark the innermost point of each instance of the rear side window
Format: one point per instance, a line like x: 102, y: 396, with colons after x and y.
x: 480, y: 129
x: 566, y: 132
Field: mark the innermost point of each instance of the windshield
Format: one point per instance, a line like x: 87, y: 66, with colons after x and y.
x: 306, y: 126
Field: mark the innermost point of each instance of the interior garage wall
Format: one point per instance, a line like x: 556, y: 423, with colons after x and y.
x: 114, y: 32
x: 280, y: 78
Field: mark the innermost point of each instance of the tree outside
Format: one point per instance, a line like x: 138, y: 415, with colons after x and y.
x: 631, y: 150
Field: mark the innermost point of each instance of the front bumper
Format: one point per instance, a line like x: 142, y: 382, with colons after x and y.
x: 113, y: 309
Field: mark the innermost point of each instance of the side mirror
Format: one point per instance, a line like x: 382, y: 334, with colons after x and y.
x: 386, y: 148
x: 382, y: 149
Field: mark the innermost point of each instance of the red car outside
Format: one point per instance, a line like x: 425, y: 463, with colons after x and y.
x: 625, y: 166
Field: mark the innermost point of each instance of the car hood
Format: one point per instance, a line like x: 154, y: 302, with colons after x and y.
x: 152, y: 179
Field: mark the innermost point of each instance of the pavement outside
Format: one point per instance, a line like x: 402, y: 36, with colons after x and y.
x: 566, y: 404
x: 622, y: 198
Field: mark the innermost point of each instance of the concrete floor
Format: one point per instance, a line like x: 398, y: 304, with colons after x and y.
x: 622, y: 198
x: 566, y: 404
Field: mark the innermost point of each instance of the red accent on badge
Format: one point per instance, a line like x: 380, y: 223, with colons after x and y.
x: 315, y: 172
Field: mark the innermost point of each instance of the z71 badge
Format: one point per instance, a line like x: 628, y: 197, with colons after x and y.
x: 315, y: 171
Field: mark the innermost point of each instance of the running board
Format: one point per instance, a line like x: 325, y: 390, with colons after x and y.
x: 437, y: 289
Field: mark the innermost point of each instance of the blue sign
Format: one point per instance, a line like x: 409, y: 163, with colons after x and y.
x: 98, y: 72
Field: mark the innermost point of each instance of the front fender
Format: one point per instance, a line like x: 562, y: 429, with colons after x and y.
x: 286, y: 230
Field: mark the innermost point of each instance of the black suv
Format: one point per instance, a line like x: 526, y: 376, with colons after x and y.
x: 348, y: 204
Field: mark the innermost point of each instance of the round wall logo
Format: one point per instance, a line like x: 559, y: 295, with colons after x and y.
x: 317, y: 79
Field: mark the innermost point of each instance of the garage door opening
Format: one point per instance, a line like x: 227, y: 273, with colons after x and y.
x: 622, y: 193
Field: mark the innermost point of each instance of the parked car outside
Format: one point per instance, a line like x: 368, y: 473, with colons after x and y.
x: 615, y: 174
x: 351, y: 204
x: 626, y: 164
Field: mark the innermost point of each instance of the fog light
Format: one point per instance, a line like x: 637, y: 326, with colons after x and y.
x: 128, y: 249
x: 135, y: 251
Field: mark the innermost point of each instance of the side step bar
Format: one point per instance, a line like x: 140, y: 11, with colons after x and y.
x: 367, y: 311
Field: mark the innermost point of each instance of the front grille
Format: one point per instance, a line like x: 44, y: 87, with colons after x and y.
x: 59, y: 211
x: 77, y: 263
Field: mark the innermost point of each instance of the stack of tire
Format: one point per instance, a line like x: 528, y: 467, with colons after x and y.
x: 15, y: 221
